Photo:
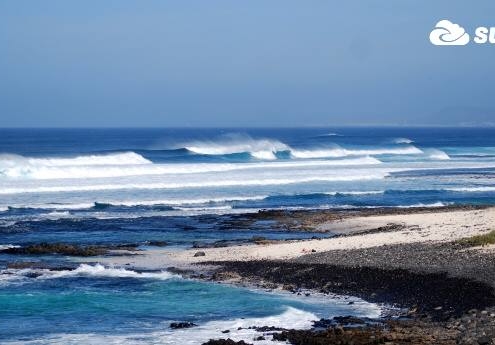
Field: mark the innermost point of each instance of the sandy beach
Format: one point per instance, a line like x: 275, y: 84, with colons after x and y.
x: 351, y: 233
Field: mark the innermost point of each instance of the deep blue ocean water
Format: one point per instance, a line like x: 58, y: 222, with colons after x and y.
x: 114, y: 186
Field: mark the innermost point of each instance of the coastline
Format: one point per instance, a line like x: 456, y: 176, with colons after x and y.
x: 352, y: 230
x: 409, y: 259
x: 432, y: 285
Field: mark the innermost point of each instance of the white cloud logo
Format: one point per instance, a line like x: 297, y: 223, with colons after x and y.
x: 447, y: 33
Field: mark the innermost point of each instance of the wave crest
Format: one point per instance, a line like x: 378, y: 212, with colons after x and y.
x: 83, y: 270
x: 342, y: 152
x: 236, y: 143
x: 403, y: 141
x: 20, y: 166
x: 267, y: 149
x: 437, y: 154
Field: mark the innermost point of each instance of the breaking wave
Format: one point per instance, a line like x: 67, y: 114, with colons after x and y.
x: 99, y: 270
x: 80, y: 166
x: 437, y: 154
x: 267, y: 149
x: 433, y: 204
x: 7, y: 246
x: 83, y: 270
x: 403, y: 141
x: 372, y: 192
x: 124, y: 158
x: 133, y: 203
x: 472, y: 189
x: 341, y: 152
x: 258, y: 148
x: 44, y: 171
x: 357, y: 175
x: 240, y: 329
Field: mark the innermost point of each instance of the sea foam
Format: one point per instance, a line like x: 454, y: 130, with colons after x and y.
x: 358, y: 175
x: 83, y: 270
x: 39, y: 171
x: 236, y: 143
x: 46, y: 168
x: 342, y: 152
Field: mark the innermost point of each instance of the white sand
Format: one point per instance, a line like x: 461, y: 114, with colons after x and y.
x: 418, y: 227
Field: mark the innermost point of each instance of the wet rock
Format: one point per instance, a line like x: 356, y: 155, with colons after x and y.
x: 423, y: 292
x: 484, y: 340
x: 57, y: 248
x: 225, y: 342
x: 124, y: 246
x: 289, y: 287
x: 158, y: 243
x: 39, y: 265
x: 26, y: 264
x: 323, y: 323
x: 45, y: 248
x: 348, y: 320
x: 179, y: 325
x: 268, y: 329
x: 33, y: 275
x: 199, y: 254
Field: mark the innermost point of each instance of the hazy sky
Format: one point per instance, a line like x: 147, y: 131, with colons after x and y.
x: 241, y: 63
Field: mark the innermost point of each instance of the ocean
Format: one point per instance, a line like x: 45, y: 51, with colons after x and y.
x: 182, y: 186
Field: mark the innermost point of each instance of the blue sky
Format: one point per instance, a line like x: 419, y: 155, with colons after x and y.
x: 241, y: 63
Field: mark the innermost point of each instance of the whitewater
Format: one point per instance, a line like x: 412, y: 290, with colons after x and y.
x: 232, y: 170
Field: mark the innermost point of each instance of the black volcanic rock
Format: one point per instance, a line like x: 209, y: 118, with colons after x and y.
x: 225, y: 342
x: 179, y: 325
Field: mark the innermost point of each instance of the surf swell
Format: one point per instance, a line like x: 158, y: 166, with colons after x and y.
x: 20, y: 166
x: 132, y: 164
x: 341, y: 152
x: 356, y: 176
x: 266, y: 149
x: 83, y: 270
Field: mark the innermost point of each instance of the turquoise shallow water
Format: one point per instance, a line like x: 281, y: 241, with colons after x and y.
x: 37, y: 304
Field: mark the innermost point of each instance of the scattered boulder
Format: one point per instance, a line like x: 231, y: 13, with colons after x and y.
x: 225, y: 342
x: 19, y: 265
x: 184, y: 324
x: 57, y: 248
x: 24, y: 264
x: 158, y: 243
x: 199, y: 254
x: 265, y: 329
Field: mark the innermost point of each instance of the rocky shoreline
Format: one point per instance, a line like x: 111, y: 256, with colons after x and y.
x: 301, y: 220
x: 446, y: 290
x: 413, y: 259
